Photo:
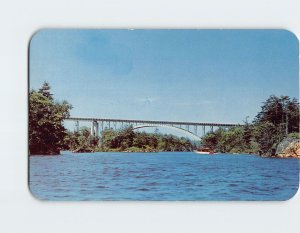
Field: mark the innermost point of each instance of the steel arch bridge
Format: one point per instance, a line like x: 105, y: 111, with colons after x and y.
x: 193, y: 135
x: 194, y: 129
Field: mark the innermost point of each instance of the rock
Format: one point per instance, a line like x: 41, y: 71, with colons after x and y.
x: 291, y: 151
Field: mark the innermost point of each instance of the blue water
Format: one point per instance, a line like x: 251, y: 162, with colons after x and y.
x: 162, y: 176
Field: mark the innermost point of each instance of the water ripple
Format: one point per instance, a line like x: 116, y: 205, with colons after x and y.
x: 163, y: 176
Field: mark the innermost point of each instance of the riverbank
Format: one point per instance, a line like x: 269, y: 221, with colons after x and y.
x: 127, y: 150
x: 292, y: 151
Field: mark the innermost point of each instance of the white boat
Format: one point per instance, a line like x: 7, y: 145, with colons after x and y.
x: 204, y: 151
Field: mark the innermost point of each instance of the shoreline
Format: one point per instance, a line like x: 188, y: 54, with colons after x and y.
x: 280, y: 156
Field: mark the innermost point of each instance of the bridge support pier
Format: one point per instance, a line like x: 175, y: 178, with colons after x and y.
x: 94, y: 128
x: 196, y: 129
x: 97, y: 129
x: 102, y: 126
x: 76, y: 126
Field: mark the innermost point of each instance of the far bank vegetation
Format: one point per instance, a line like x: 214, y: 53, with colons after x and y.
x: 125, y: 140
x: 278, y: 120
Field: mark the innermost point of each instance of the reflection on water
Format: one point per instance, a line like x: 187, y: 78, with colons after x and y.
x: 162, y: 176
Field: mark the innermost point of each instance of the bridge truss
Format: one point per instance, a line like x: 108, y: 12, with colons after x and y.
x: 195, y: 129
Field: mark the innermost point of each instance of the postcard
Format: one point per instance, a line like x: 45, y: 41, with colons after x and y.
x: 163, y: 115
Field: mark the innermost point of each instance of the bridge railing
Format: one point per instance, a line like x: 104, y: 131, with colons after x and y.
x: 196, y: 128
x: 151, y: 122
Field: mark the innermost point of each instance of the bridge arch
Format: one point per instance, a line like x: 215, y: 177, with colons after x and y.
x: 196, y: 137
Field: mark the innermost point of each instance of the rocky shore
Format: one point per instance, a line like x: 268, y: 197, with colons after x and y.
x: 291, y: 151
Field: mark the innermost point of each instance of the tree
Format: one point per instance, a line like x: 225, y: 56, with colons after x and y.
x: 278, y: 117
x: 282, y: 112
x: 126, y: 138
x: 46, y: 130
x: 211, y: 139
x: 235, y: 140
x: 267, y: 137
x: 247, y: 135
x: 292, y: 117
x: 107, y: 139
x: 45, y: 91
x: 81, y: 141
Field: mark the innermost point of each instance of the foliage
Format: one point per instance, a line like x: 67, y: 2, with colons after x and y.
x: 81, y: 141
x: 46, y: 130
x: 294, y: 135
x: 266, y: 135
x: 127, y: 140
x: 278, y: 119
x: 282, y: 112
x: 233, y: 140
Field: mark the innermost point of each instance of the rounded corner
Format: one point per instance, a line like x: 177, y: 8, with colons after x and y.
x: 34, y: 35
x: 292, y: 34
x: 36, y: 197
x: 293, y: 195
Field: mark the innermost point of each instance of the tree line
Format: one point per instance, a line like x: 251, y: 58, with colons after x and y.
x: 126, y: 140
x: 277, y: 119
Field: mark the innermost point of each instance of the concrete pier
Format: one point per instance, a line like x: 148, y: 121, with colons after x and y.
x: 94, y: 128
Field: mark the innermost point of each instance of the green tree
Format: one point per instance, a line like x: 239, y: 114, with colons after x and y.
x: 126, y: 138
x: 282, y: 112
x: 82, y: 141
x: 45, y: 91
x: 267, y: 137
x: 46, y: 130
x: 211, y: 140
x: 107, y: 139
x: 279, y: 116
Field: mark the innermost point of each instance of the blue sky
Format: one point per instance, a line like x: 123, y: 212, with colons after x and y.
x: 178, y: 75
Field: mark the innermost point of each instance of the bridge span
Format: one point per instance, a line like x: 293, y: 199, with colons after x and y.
x: 196, y: 129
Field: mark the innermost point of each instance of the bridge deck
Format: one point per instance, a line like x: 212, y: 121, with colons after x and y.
x: 151, y: 122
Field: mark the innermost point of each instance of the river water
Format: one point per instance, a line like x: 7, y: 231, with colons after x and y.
x: 162, y: 176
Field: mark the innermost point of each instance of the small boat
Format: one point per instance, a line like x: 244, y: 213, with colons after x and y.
x: 204, y: 151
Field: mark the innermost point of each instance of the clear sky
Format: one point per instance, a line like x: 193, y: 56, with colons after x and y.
x: 178, y: 75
